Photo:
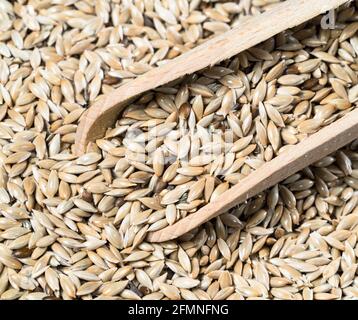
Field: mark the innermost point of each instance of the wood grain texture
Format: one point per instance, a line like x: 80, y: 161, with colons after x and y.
x: 312, y: 149
x: 249, y: 33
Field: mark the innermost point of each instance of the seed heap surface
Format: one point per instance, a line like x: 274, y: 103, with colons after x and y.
x: 74, y: 227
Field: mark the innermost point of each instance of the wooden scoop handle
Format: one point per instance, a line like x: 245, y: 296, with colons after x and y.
x: 249, y: 33
x: 310, y: 150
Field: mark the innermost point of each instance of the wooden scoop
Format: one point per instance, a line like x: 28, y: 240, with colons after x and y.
x: 249, y: 33
x: 310, y: 150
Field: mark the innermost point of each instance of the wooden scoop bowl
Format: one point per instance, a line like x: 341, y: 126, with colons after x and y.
x: 249, y: 33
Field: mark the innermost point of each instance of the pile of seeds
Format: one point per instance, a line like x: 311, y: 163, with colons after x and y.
x: 74, y: 227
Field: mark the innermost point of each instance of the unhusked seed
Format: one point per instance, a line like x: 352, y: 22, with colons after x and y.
x: 75, y: 227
